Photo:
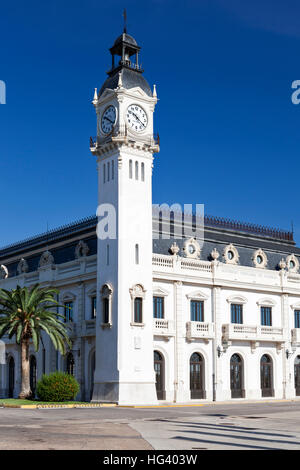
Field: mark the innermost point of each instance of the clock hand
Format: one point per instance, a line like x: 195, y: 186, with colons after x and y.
x: 138, y: 118
x: 108, y: 119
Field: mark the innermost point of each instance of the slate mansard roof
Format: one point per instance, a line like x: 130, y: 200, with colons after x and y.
x: 218, y: 233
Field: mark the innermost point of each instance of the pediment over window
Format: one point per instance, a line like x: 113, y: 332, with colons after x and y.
x: 68, y: 296
x: 296, y: 306
x: 265, y: 302
x: 236, y: 299
x: 159, y: 292
x: 92, y: 292
x: 197, y: 295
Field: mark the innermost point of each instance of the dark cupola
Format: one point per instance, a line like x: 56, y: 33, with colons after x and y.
x: 125, y: 60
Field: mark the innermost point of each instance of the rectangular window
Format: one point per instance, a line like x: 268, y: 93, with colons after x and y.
x: 297, y: 318
x: 68, y: 313
x: 236, y: 313
x: 266, y: 316
x: 197, y: 310
x: 158, y: 307
x: 94, y: 307
x: 138, y: 310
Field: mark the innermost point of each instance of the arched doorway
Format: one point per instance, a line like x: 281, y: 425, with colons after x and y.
x: 33, y: 372
x: 197, y: 376
x: 11, y: 377
x: 92, y: 373
x: 159, y: 367
x: 297, y: 375
x: 70, y: 364
x: 236, y: 377
x: 266, y: 376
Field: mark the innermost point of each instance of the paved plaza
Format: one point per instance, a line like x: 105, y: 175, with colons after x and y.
x: 236, y: 425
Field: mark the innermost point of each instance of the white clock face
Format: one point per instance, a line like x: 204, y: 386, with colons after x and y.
x: 108, y: 119
x: 137, y: 118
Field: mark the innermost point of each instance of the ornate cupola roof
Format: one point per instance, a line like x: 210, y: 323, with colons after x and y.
x: 126, y: 48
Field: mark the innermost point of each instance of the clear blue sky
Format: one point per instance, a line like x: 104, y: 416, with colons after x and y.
x: 223, y: 68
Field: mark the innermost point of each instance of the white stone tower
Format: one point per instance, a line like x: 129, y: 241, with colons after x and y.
x: 124, y: 148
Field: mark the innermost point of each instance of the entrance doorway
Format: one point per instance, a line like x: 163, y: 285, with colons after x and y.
x: 159, y: 367
x: 236, y: 377
x: 197, y: 376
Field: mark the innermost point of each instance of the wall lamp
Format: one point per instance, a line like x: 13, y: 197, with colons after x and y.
x: 220, y: 351
x: 288, y: 353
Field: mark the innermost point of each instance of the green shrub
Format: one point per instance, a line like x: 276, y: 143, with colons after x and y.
x: 57, y: 386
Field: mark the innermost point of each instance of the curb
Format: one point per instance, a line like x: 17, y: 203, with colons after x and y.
x: 37, y: 407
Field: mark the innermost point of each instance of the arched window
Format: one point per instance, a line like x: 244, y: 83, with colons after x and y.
x: 70, y: 364
x: 159, y: 368
x: 266, y: 376
x: 138, y: 310
x: 136, y: 170
x: 106, y: 295
x: 236, y: 377
x: 33, y: 374
x: 197, y: 376
x: 130, y: 169
x: 143, y: 172
x: 137, y: 298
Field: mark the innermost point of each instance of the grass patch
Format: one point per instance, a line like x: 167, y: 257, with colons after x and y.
x: 16, y: 401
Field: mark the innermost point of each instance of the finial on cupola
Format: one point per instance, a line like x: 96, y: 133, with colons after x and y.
x: 154, y: 91
x: 95, y: 99
x: 125, y: 21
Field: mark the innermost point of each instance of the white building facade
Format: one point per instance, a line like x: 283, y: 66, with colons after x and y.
x: 153, y: 316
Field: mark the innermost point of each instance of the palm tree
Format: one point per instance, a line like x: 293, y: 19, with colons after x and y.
x: 25, y: 313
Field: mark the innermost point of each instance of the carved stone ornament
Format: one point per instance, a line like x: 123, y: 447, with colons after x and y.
x: 292, y: 263
x: 282, y: 264
x: 192, y: 248
x: 46, y: 259
x: 231, y: 255
x: 137, y: 291
x: 22, y: 266
x: 81, y: 249
x: 260, y: 259
x: 106, y: 291
x: 3, y: 272
x: 174, y: 249
x: 215, y: 254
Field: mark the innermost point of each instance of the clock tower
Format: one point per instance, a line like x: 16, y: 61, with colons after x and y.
x: 124, y: 149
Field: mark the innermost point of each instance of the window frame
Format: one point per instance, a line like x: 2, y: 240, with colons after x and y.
x: 70, y: 317
x: 263, y: 317
x: 106, y: 305
x: 137, y: 291
x: 161, y: 310
x: 234, y: 312
x: 199, y: 311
